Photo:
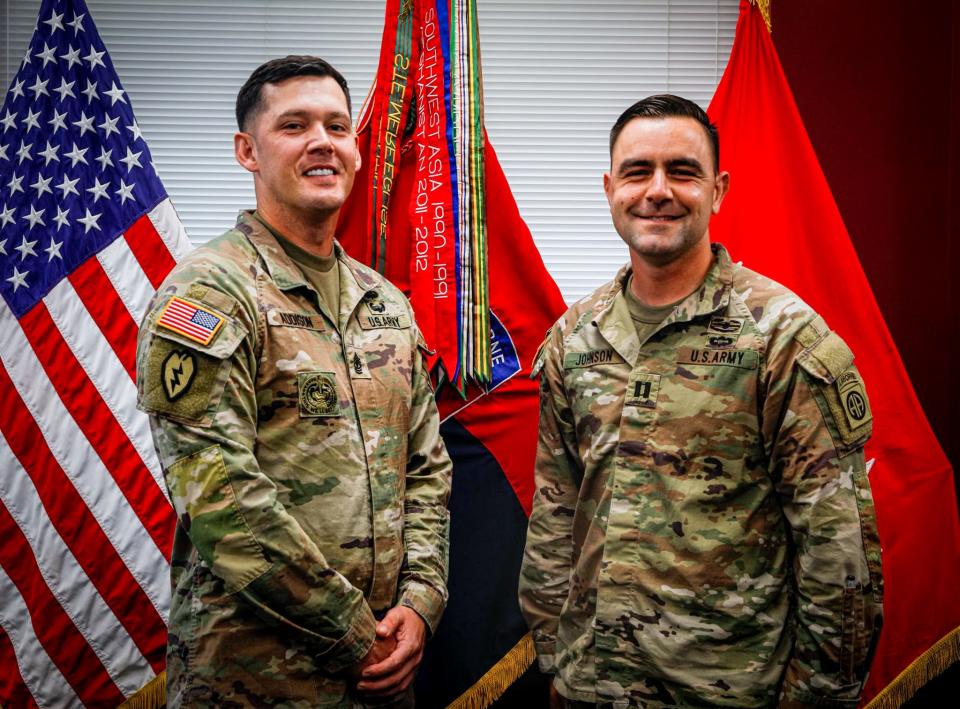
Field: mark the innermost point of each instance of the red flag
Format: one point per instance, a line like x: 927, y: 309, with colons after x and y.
x: 413, y: 166
x: 781, y: 220
x: 86, y: 234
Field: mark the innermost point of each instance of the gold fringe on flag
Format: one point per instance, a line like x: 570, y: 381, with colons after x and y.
x: 498, y: 678
x: 929, y: 665
x: 764, y: 6
x: 152, y: 695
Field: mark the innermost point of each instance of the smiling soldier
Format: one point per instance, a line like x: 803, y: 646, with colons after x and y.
x: 298, y: 433
x: 702, y: 531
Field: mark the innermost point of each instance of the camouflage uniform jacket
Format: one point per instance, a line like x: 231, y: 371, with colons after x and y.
x: 702, y: 532
x: 302, y: 455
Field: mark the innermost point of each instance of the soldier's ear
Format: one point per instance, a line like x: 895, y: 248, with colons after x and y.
x: 721, y: 187
x: 245, y: 151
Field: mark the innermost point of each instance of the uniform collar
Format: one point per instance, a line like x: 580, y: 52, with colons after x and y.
x: 287, y: 275
x: 613, y: 316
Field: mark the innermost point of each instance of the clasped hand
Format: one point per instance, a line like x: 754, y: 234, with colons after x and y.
x: 390, y: 665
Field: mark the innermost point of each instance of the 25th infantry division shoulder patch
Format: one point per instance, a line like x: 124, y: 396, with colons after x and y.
x: 177, y: 373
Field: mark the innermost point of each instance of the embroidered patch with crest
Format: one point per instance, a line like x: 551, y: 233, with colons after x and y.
x: 190, y: 320
x: 318, y: 394
x: 177, y: 373
x: 725, y: 326
x: 853, y: 398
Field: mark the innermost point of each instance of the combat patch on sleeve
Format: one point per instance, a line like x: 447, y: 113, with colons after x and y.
x: 179, y: 369
x: 317, y: 394
x: 178, y: 381
x: 190, y: 320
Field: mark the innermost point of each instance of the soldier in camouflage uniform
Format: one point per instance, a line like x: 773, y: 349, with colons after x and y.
x: 703, y: 531
x: 298, y: 434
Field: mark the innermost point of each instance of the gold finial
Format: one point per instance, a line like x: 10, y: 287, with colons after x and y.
x: 764, y: 6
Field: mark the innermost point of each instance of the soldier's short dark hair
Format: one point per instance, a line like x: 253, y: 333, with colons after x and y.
x: 274, y: 71
x: 669, y: 106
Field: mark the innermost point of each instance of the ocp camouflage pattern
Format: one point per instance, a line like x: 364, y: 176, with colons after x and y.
x: 703, y: 531
x: 302, y: 453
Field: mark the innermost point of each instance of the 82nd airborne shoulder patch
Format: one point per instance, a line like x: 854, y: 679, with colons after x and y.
x: 853, y: 399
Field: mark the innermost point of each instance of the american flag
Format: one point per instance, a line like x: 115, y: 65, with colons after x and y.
x: 189, y: 320
x: 86, y: 235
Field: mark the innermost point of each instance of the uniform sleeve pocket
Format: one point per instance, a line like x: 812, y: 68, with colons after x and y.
x: 207, y: 506
x: 854, y: 635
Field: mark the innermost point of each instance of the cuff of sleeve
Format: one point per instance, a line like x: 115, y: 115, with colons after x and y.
x: 426, y: 601
x: 354, y: 645
x: 795, y: 698
x: 546, y: 649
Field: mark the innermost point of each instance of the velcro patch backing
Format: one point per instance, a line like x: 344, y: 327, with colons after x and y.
x: 180, y: 382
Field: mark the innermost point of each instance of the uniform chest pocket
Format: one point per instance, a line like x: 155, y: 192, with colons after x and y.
x: 709, y: 391
x: 300, y: 371
x: 380, y: 360
x: 706, y: 411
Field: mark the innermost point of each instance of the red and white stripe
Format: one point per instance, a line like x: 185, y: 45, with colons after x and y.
x: 84, y: 514
x: 178, y: 315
